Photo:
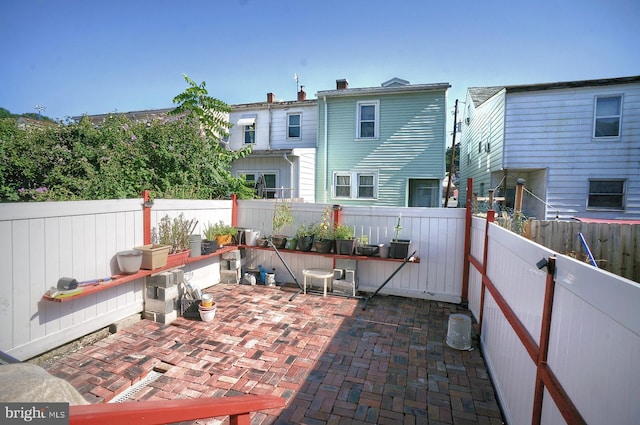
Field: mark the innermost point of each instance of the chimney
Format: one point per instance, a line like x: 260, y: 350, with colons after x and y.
x: 271, y: 97
x: 342, y: 84
x: 301, y: 94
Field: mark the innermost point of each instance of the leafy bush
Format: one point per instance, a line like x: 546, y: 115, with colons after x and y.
x: 172, y: 156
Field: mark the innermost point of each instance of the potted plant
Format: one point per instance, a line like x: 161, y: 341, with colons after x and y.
x: 176, y: 232
x: 223, y: 233
x: 209, y: 243
x: 281, y: 217
x: 305, y: 234
x: 344, y: 240
x: 323, y: 233
x: 399, y: 248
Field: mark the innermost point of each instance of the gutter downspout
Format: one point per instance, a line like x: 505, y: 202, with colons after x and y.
x: 326, y: 149
x: 284, y: 155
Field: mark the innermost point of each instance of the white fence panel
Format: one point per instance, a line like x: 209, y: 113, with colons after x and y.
x: 595, y: 342
x: 595, y: 331
x: 437, y: 235
x: 42, y: 242
x: 204, y: 211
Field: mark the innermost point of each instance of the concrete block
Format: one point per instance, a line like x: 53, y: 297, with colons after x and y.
x: 342, y: 263
x: 164, y: 318
x: 164, y: 294
x: 161, y: 280
x: 231, y: 255
x: 230, y: 265
x: 151, y: 293
x: 159, y: 306
x: 230, y: 276
x: 178, y: 276
x: 350, y: 276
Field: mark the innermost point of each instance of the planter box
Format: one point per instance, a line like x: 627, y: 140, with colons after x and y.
x: 345, y: 246
x: 178, y: 258
x: 153, y: 256
x: 399, y: 248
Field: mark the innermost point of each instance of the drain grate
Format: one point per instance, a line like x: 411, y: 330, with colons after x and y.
x: 137, y: 387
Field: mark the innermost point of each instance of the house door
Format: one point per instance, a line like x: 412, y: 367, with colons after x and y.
x: 423, y: 193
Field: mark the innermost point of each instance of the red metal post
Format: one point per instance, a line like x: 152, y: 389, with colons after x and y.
x: 491, y: 214
x: 467, y: 243
x: 146, y: 216
x: 234, y: 210
x: 337, y: 215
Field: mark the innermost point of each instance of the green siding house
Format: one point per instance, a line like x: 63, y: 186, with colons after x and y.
x: 381, y: 145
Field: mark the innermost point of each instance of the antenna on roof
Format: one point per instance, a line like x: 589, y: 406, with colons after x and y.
x: 40, y: 108
x: 297, y: 78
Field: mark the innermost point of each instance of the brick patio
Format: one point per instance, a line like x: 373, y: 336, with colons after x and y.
x: 333, y: 362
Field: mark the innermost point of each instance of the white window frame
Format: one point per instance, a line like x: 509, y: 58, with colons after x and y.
x: 376, y: 124
x: 596, y: 117
x: 244, y: 134
x: 354, y: 184
x: 289, y: 126
x: 622, y: 195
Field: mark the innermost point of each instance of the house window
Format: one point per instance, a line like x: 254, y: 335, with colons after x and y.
x: 343, y: 185
x: 608, y: 114
x: 606, y: 194
x: 365, y: 186
x: 367, y: 125
x: 249, y: 134
x: 293, y: 126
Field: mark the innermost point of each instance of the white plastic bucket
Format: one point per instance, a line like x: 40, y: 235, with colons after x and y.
x: 459, y: 332
x: 251, y: 237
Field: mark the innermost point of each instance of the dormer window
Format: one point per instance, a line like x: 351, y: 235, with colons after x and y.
x: 607, y: 116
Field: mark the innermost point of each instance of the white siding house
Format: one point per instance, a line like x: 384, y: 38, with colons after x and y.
x: 576, y: 145
x: 283, y: 139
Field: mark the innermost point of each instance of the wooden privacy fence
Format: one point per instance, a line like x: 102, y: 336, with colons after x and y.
x: 615, y: 247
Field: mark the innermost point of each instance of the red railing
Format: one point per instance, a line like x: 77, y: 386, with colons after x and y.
x: 157, y: 412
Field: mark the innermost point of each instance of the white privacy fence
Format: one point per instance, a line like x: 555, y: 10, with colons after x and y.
x: 42, y: 242
x: 593, y: 333
x: 436, y: 234
x: 592, y: 330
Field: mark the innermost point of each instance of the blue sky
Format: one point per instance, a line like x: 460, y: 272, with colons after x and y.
x: 76, y: 57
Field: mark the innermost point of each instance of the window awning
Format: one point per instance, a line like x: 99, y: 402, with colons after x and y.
x: 247, y: 120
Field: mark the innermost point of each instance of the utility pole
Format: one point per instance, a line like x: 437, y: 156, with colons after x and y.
x: 453, y: 154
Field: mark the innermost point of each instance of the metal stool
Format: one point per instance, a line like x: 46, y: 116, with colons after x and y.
x: 325, y: 275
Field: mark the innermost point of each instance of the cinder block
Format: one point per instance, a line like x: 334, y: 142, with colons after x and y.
x: 164, y: 294
x: 342, y: 263
x: 230, y: 265
x: 151, y: 293
x: 161, y: 280
x: 230, y: 276
x: 231, y: 255
x: 159, y: 306
x: 164, y: 318
x: 350, y: 275
x: 178, y: 276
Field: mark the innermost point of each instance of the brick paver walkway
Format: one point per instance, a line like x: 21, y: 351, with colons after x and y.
x: 332, y: 361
